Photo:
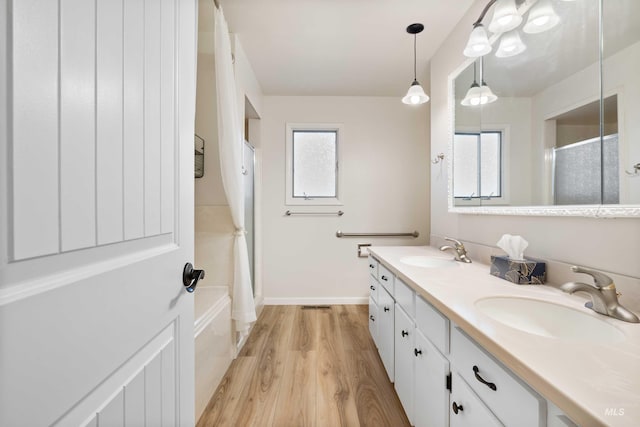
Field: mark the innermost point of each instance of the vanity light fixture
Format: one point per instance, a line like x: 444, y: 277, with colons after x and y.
x: 478, y: 44
x: 510, y: 45
x: 505, y: 16
x: 415, y: 95
x: 541, y: 18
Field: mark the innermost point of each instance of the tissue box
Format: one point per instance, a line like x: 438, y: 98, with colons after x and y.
x: 527, y: 272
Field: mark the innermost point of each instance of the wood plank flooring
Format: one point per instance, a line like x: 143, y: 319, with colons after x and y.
x: 307, y: 367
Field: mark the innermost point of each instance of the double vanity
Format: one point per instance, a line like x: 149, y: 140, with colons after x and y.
x: 465, y: 348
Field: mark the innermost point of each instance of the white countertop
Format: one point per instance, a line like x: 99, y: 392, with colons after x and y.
x: 584, y: 379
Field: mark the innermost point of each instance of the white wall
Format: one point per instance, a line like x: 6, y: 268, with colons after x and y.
x: 606, y: 244
x: 384, y: 161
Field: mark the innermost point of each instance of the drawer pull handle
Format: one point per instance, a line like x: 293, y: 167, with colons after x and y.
x: 492, y: 386
x: 372, y: 266
x: 373, y: 288
x: 373, y: 319
x: 386, y: 309
x: 417, y: 352
x: 385, y: 278
x: 456, y: 408
x: 405, y: 333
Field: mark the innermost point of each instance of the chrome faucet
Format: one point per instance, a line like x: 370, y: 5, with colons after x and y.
x: 460, y: 251
x: 604, y: 298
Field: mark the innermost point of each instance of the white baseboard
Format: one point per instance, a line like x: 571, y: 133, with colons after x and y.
x: 317, y: 301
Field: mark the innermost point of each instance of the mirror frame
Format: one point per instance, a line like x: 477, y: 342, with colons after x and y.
x: 591, y: 211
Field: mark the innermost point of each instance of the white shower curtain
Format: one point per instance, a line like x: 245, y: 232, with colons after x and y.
x: 230, y: 146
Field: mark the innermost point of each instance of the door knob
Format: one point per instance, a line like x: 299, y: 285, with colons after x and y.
x: 191, y: 276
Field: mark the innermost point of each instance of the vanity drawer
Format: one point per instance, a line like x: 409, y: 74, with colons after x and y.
x: 386, y: 278
x: 469, y: 410
x: 373, y: 266
x: 433, y: 324
x: 373, y: 288
x: 512, y: 401
x: 405, y: 297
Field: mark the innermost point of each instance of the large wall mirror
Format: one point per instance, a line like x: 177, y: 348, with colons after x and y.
x: 547, y: 122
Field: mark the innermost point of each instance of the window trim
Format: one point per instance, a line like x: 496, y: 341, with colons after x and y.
x: 318, y: 201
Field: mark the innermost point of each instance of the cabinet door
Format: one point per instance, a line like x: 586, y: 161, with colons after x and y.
x: 466, y: 409
x: 431, y: 393
x: 373, y: 320
x: 404, y: 360
x: 386, y: 310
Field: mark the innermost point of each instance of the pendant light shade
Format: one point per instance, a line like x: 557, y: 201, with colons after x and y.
x: 415, y: 95
x: 478, y: 94
x: 505, y: 17
x: 472, y: 98
x: 510, y: 45
x: 541, y: 18
x: 478, y: 44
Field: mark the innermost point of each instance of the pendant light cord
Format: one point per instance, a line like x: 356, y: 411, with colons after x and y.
x: 414, y: 58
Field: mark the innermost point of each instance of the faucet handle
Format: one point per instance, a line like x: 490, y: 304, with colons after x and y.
x: 600, y: 280
x: 458, y: 243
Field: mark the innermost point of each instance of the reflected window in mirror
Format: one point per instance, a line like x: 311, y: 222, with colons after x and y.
x: 477, y: 166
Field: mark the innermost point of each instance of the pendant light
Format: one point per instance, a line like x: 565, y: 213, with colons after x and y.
x: 472, y: 98
x: 478, y: 94
x: 415, y: 95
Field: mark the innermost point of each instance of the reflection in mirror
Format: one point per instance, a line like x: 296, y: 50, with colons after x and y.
x: 621, y: 68
x: 585, y: 168
x: 553, y: 148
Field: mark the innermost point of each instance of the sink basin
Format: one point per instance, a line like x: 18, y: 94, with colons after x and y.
x: 550, y: 320
x: 429, y: 261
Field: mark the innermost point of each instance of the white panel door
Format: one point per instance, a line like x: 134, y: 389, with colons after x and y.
x: 96, y: 212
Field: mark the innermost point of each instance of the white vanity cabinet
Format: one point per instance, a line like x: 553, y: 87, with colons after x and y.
x: 404, y: 360
x: 386, y: 322
x: 508, y: 397
x: 467, y: 410
x: 431, y: 395
x: 373, y: 320
x: 441, y: 376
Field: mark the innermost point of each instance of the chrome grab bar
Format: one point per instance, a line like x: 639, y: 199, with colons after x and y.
x: 341, y: 234
x: 289, y: 213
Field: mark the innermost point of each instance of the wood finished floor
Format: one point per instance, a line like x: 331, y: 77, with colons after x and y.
x: 315, y: 367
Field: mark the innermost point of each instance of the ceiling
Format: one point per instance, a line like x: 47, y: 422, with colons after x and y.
x: 340, y: 47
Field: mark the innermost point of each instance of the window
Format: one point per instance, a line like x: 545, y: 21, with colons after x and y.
x: 477, y: 165
x: 312, y: 164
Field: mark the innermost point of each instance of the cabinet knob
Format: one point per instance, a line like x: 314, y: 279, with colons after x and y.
x: 373, y: 319
x: 386, y: 309
x: 373, y: 288
x: 417, y: 352
x: 384, y: 278
x: 372, y: 266
x: 492, y: 386
x: 456, y: 408
x: 405, y: 333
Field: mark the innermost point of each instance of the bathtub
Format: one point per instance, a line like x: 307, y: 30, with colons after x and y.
x: 214, y: 348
